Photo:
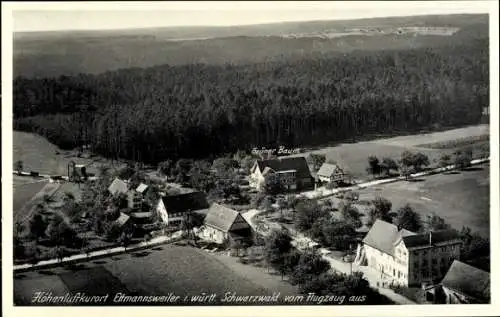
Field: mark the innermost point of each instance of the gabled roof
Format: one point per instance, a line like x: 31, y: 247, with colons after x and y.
x: 381, y: 236
x: 142, y: 188
x: 146, y: 214
x: 285, y: 164
x: 185, y: 202
x: 267, y: 170
x: 122, y: 219
x: 221, y: 217
x: 327, y: 169
x: 384, y: 236
x: 468, y: 280
x: 118, y: 186
x: 424, y: 239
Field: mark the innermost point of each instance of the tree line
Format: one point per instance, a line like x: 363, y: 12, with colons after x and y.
x: 151, y: 114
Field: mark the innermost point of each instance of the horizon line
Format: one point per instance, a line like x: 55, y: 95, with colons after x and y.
x: 240, y: 25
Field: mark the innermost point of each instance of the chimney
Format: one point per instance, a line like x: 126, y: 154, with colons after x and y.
x: 430, y: 238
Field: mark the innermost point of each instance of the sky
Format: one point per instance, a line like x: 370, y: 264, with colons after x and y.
x: 120, y: 15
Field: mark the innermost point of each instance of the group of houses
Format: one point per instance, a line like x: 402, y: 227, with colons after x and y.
x: 420, y: 259
x: 293, y: 173
x: 220, y: 224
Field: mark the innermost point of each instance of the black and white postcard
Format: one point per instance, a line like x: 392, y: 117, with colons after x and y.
x: 257, y: 158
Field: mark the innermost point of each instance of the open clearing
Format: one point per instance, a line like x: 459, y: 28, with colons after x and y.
x: 461, y: 199
x: 353, y: 157
x: 23, y: 193
x: 158, y: 271
x: 39, y: 155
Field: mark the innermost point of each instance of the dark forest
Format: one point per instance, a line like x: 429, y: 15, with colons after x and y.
x: 151, y: 114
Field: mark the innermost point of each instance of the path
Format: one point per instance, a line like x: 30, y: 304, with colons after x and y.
x: 322, y: 192
x: 99, y: 254
x: 300, y: 241
x: 26, y: 211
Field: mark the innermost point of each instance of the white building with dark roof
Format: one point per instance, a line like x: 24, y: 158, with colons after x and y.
x: 223, y: 224
x: 407, y: 258
x: 291, y: 172
x: 331, y: 173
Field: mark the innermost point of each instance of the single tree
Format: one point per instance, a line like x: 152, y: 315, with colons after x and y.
x: 273, y: 185
x: 407, y: 218
x: 407, y: 171
x: 339, y: 234
x: 310, y: 265
x: 165, y: 167
x: 407, y: 159
x: 307, y: 212
x: 388, y: 164
x: 420, y: 160
x: 37, y: 226
x: 463, y: 159
x: 316, y: 160
x: 445, y: 161
x: 277, y: 245
x: 18, y: 166
x: 373, y: 165
x: 124, y: 240
x: 350, y: 214
x: 380, y: 210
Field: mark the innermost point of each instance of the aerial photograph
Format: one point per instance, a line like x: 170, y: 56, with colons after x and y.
x: 327, y: 155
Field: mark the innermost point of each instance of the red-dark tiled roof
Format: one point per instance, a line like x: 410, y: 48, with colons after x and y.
x: 285, y: 164
x: 468, y: 280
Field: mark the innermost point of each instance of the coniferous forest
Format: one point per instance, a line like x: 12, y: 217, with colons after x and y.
x: 197, y: 110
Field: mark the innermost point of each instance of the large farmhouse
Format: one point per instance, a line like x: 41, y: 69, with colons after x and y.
x: 223, y: 224
x: 291, y: 172
x: 172, y: 209
x: 407, y: 258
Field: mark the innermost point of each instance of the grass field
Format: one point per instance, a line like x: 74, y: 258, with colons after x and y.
x: 24, y: 192
x: 158, y: 271
x: 353, y: 157
x: 39, y: 155
x: 461, y: 199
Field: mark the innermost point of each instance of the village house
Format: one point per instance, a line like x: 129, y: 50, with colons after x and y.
x: 142, y: 189
x: 123, y: 221
x: 223, y: 225
x: 121, y: 187
x: 407, y: 258
x: 173, y: 209
x: 291, y: 172
x: 331, y: 173
x: 465, y: 284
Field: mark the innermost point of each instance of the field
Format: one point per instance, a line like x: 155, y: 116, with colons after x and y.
x: 159, y: 271
x: 353, y: 157
x: 24, y: 191
x: 461, y: 199
x: 55, y: 53
x: 39, y: 155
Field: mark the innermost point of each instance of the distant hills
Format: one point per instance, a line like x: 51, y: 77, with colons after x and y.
x: 41, y: 54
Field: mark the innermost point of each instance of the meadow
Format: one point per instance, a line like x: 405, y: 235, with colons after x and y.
x: 460, y: 198
x: 161, y: 270
x: 39, y: 155
x: 353, y: 157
